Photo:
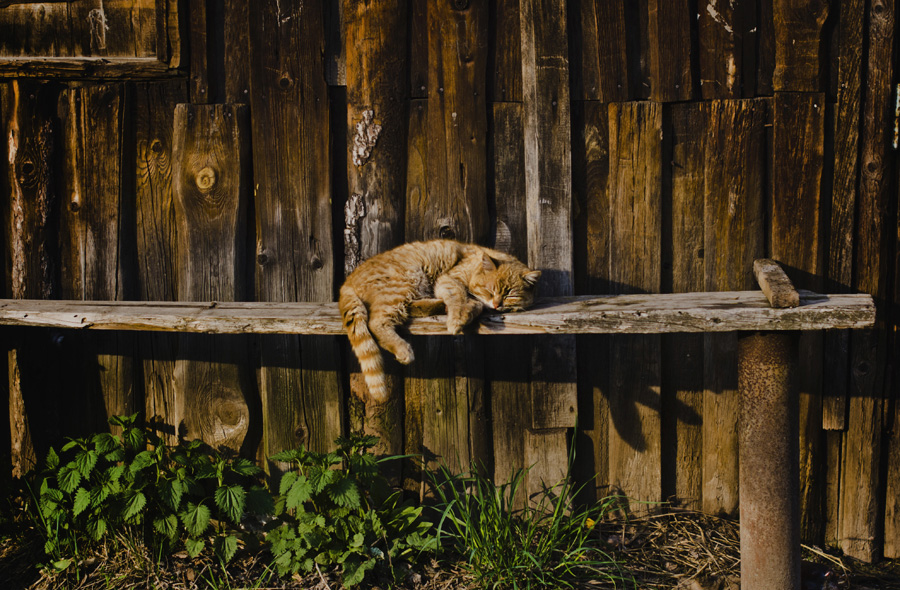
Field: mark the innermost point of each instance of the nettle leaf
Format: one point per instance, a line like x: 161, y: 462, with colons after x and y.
x: 194, y: 546
x: 299, y: 493
x: 355, y: 570
x: 195, y: 518
x: 259, y: 501
x: 230, y: 500
x: 134, y: 505
x: 82, y: 501
x: 68, y: 477
x: 85, y: 462
x: 225, y: 547
x: 104, y: 442
x: 115, y: 473
x: 206, y: 470
x: 287, y: 480
x: 115, y: 456
x: 133, y: 438
x: 170, y: 492
x: 52, y: 460
x: 287, y: 456
x: 142, y: 460
x: 245, y: 467
x: 98, y: 495
x: 345, y: 493
x: 167, y: 526
x: 96, y: 528
x: 70, y: 445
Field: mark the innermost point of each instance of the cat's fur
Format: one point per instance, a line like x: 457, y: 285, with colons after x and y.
x: 422, y: 278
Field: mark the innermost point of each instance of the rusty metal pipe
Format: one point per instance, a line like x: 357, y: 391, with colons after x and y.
x: 769, y: 461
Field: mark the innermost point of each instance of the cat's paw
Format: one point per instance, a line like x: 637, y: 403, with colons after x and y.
x: 405, y: 355
x: 455, y: 326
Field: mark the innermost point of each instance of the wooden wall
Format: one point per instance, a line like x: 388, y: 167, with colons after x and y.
x: 263, y: 151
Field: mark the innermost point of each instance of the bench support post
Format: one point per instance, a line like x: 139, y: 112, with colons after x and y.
x: 769, y: 461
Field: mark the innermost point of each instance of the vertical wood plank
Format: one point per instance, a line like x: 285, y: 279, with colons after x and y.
x: 765, y: 71
x: 505, y: 61
x: 200, y: 76
x: 720, y: 49
x: 236, y: 56
x: 30, y: 140
x: 300, y: 389
x: 799, y: 65
x: 590, y: 163
x: 733, y: 237
x: 892, y: 497
x: 600, y: 57
x: 377, y: 122
x: 97, y: 250
x: 209, y: 160
x: 635, y: 175
x: 683, y: 354
x: 548, y: 194
x: 418, y: 48
x: 798, y: 136
x: 843, y: 205
x: 153, y: 111
x: 861, y: 473
x: 670, y: 50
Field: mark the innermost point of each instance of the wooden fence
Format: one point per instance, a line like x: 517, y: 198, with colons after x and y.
x: 233, y: 151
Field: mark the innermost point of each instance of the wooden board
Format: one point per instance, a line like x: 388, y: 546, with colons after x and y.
x: 798, y: 136
x: 670, y: 50
x: 27, y: 114
x: 600, y: 60
x: 377, y: 123
x: 863, y: 440
x: 236, y: 66
x: 210, y: 162
x: 505, y: 55
x: 720, y: 49
x: 97, y: 253
x: 153, y: 111
x: 799, y: 66
x: 635, y: 197
x: 682, y: 355
x: 733, y: 211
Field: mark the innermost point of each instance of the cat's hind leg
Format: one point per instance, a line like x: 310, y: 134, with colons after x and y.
x: 383, y: 326
x: 461, y: 309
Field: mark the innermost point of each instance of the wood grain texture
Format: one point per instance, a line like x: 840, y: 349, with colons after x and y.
x: 156, y: 246
x: 720, y: 49
x: 799, y: 65
x: 97, y: 249
x: 600, y: 59
x: 862, y: 442
x: 418, y: 48
x: 377, y: 123
x: 27, y: 114
x: 892, y: 496
x: 774, y: 283
x: 236, y: 67
x: 840, y: 253
x: 294, y: 254
x: 734, y: 223
x: 635, y: 196
x: 505, y: 61
x: 670, y: 50
x: 798, y: 137
x: 682, y: 355
x: 210, y: 161
x: 200, y: 67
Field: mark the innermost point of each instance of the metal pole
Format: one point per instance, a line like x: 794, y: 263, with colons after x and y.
x: 769, y: 461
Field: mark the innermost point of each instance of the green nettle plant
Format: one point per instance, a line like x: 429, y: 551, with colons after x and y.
x: 349, y: 518
x: 187, y: 494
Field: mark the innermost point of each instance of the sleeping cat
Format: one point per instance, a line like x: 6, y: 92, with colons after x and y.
x: 424, y: 278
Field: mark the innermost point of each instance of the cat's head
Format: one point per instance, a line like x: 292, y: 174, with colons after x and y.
x: 504, y: 286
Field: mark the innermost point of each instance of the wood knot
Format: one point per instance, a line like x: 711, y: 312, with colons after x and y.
x: 300, y: 434
x: 205, y: 179
x: 27, y: 174
x: 156, y: 147
x: 316, y: 263
x: 460, y: 4
x: 262, y: 259
x: 446, y: 232
x: 285, y: 82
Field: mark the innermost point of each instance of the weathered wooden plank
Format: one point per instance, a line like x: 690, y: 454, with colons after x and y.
x: 832, y: 525
x: 774, y: 282
x: 862, y: 443
x: 47, y: 28
x: 210, y: 160
x: 635, y: 197
x: 236, y: 50
x: 799, y: 64
x: 200, y: 52
x: 418, y: 49
x: 505, y: 66
x: 765, y: 69
x: 336, y: 40
x: 548, y: 204
x: 97, y: 250
x: 599, y: 50
x: 90, y: 68
x: 670, y: 50
x: 377, y: 122
x: 29, y: 142
x: 153, y: 111
x: 734, y: 220
x: 843, y: 205
x: 720, y: 49
x: 892, y: 497
x: 798, y: 146
x: 728, y: 311
x: 682, y: 360
x: 292, y: 178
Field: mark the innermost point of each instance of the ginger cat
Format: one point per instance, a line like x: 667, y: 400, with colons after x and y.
x: 423, y: 278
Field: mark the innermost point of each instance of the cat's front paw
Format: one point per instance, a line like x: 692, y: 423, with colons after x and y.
x: 405, y: 355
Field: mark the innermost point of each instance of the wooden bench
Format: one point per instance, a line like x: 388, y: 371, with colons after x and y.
x: 768, y: 323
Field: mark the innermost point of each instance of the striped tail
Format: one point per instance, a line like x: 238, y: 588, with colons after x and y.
x: 356, y: 322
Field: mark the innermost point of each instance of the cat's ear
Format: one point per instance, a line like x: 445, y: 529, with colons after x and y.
x: 487, y: 265
x: 531, y: 278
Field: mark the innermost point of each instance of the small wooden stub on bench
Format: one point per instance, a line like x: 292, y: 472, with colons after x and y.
x: 775, y: 284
